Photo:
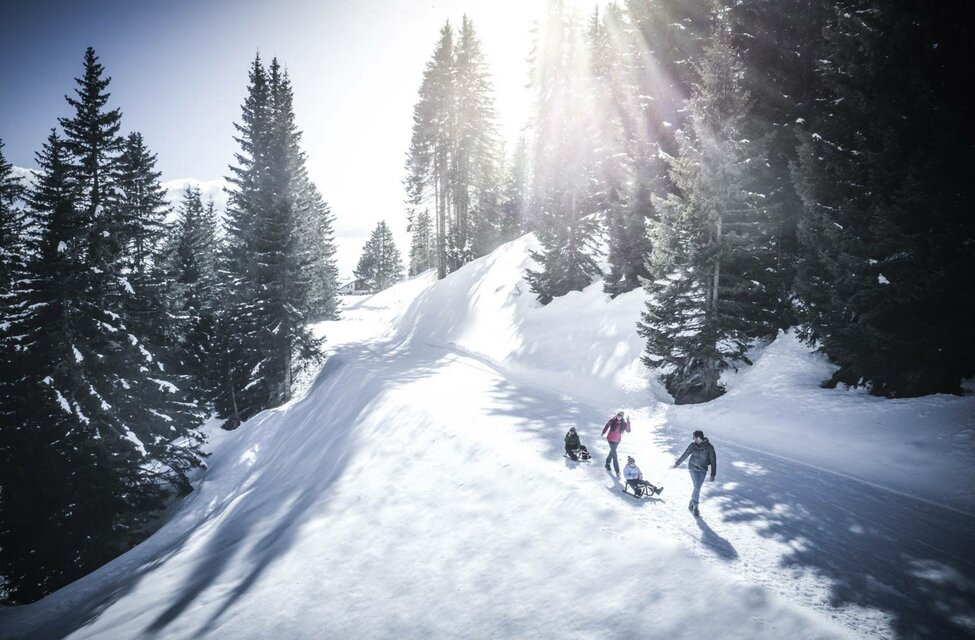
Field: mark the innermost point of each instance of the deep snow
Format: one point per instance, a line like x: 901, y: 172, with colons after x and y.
x: 418, y: 490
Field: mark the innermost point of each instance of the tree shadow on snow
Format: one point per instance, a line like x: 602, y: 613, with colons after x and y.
x: 259, y: 521
x: 877, y: 549
x: 321, y: 422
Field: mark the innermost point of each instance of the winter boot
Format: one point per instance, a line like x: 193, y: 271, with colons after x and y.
x: 690, y: 506
x: 697, y: 514
x: 658, y: 490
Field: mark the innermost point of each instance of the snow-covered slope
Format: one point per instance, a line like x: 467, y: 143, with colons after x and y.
x: 418, y: 490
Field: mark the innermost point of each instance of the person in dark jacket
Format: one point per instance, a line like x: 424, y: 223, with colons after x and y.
x: 615, y: 428
x: 702, y: 456
x: 574, y: 448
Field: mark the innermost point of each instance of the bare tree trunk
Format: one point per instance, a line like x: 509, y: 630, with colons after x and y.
x: 711, y: 364
x: 286, y: 388
x: 441, y: 224
x: 234, y: 419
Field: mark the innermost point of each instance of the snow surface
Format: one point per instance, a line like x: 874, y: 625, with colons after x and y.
x: 418, y: 490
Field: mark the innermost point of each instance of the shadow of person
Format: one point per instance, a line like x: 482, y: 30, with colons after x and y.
x: 716, y: 543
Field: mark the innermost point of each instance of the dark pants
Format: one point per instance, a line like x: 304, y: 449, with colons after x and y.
x: 612, y: 456
x: 576, y: 453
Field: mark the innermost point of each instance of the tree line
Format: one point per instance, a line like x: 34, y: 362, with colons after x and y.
x: 751, y: 166
x: 124, y: 325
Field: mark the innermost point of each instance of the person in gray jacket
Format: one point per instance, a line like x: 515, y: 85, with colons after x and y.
x: 702, y: 456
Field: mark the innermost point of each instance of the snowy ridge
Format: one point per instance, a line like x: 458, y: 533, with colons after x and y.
x: 418, y: 490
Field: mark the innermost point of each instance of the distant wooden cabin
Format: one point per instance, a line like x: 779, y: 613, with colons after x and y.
x: 354, y: 288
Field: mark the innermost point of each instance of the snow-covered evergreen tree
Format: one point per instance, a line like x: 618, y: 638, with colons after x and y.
x: 454, y: 161
x: 477, y: 164
x: 12, y: 230
x: 562, y: 162
x: 141, y: 205
x: 886, y: 231
x: 380, y: 265
x: 13, y: 258
x: 97, y: 430
x: 318, y: 238
x: 423, y: 253
x: 515, y: 194
x: 190, y: 267
x: 621, y: 162
x: 268, y: 262
x: 709, y: 292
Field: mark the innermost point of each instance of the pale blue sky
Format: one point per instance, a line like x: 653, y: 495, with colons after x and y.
x: 179, y: 74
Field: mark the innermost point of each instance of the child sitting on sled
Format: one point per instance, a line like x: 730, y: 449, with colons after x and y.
x: 634, y: 479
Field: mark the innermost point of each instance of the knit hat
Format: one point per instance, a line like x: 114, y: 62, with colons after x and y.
x: 699, y: 434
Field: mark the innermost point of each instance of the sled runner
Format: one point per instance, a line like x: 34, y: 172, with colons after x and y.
x: 642, y: 490
x: 582, y: 455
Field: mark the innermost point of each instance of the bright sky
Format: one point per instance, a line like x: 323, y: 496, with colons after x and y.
x: 179, y: 74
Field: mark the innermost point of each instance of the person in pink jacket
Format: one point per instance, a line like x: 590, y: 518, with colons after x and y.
x: 614, y: 428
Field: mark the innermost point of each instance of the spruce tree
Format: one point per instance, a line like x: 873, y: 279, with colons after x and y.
x: 13, y: 257
x: 779, y: 44
x: 98, y: 429
x: 423, y: 253
x: 12, y: 229
x: 318, y: 239
x: 190, y: 265
x: 380, y: 265
x: 239, y: 355
x: 141, y: 205
x: 454, y: 161
x: 477, y: 165
x: 515, y: 194
x: 886, y: 230
x: 562, y: 164
x: 709, y: 292
x: 92, y: 440
x: 622, y: 164
x: 268, y: 261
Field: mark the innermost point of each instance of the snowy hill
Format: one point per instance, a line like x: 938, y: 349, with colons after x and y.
x: 418, y: 490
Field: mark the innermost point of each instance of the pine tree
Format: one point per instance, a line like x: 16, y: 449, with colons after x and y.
x: 380, y: 265
x: 268, y: 262
x: 190, y: 264
x: 318, y: 241
x: 515, y: 194
x: 86, y: 456
x: 12, y: 229
x: 13, y: 257
x: 886, y: 230
x: 562, y: 164
x: 623, y: 167
x: 478, y: 154
x: 423, y: 253
x: 238, y: 353
x: 92, y: 140
x: 779, y: 44
x: 141, y: 205
x: 454, y: 160
x: 92, y: 441
x: 709, y: 295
